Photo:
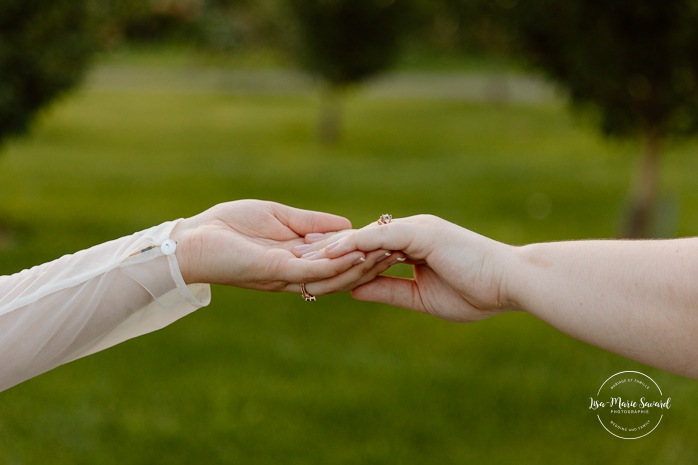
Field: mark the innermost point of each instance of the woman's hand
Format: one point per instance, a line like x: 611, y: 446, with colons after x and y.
x: 457, y: 275
x: 586, y: 289
x: 249, y: 244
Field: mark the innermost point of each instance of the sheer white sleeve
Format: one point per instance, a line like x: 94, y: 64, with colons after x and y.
x: 83, y: 303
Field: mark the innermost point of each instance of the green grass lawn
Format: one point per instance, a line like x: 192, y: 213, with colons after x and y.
x: 267, y: 378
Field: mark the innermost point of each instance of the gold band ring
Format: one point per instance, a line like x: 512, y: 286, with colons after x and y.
x: 307, y: 296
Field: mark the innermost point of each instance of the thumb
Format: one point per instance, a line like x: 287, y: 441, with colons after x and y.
x: 303, y: 222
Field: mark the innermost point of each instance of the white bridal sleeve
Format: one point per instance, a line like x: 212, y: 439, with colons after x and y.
x: 83, y: 303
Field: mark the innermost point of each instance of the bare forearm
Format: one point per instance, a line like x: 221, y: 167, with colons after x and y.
x: 635, y: 298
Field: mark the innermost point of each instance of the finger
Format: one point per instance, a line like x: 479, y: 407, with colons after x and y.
x: 316, y: 251
x: 318, y: 241
x: 375, y: 263
x: 326, y: 237
x: 298, y: 270
x: 303, y: 222
x: 397, y: 235
x: 399, y: 292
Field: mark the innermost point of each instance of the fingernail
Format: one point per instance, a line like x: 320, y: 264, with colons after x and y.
x: 360, y: 261
x: 314, y: 236
x: 401, y: 259
x: 385, y: 255
x: 310, y: 255
x: 302, y: 247
x: 332, y: 245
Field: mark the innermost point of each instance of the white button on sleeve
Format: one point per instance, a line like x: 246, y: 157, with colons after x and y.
x: 168, y: 247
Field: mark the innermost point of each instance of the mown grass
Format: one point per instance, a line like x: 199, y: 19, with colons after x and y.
x: 266, y: 378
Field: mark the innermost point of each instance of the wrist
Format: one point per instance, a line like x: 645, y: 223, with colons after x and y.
x: 520, y: 273
x: 182, y: 235
x: 505, y: 259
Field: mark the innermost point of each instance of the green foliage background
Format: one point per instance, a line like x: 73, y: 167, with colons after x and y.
x: 45, y: 47
x: 267, y: 378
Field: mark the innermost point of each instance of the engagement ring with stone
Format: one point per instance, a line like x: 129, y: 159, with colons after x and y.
x: 385, y: 218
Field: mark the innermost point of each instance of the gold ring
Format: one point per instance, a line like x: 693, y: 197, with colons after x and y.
x: 385, y: 218
x: 307, y: 296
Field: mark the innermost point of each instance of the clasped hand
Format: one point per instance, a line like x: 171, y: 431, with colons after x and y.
x: 268, y: 246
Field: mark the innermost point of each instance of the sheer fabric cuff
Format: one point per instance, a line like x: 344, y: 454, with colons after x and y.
x: 86, y: 302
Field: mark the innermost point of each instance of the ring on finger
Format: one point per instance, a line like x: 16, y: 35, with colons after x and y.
x: 307, y: 296
x: 385, y: 218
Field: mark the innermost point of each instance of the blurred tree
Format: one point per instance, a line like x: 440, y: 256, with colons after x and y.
x: 345, y: 42
x: 45, y: 48
x: 634, y: 65
x: 463, y: 27
x: 229, y: 25
x: 146, y: 21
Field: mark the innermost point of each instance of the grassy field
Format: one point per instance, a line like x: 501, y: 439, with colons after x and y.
x: 266, y: 378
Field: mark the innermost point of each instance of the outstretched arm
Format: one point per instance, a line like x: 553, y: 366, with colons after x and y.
x: 635, y: 298
x: 638, y: 299
x: 96, y: 298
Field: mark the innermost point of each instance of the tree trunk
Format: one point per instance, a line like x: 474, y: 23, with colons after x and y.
x: 643, y: 194
x: 330, y: 123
